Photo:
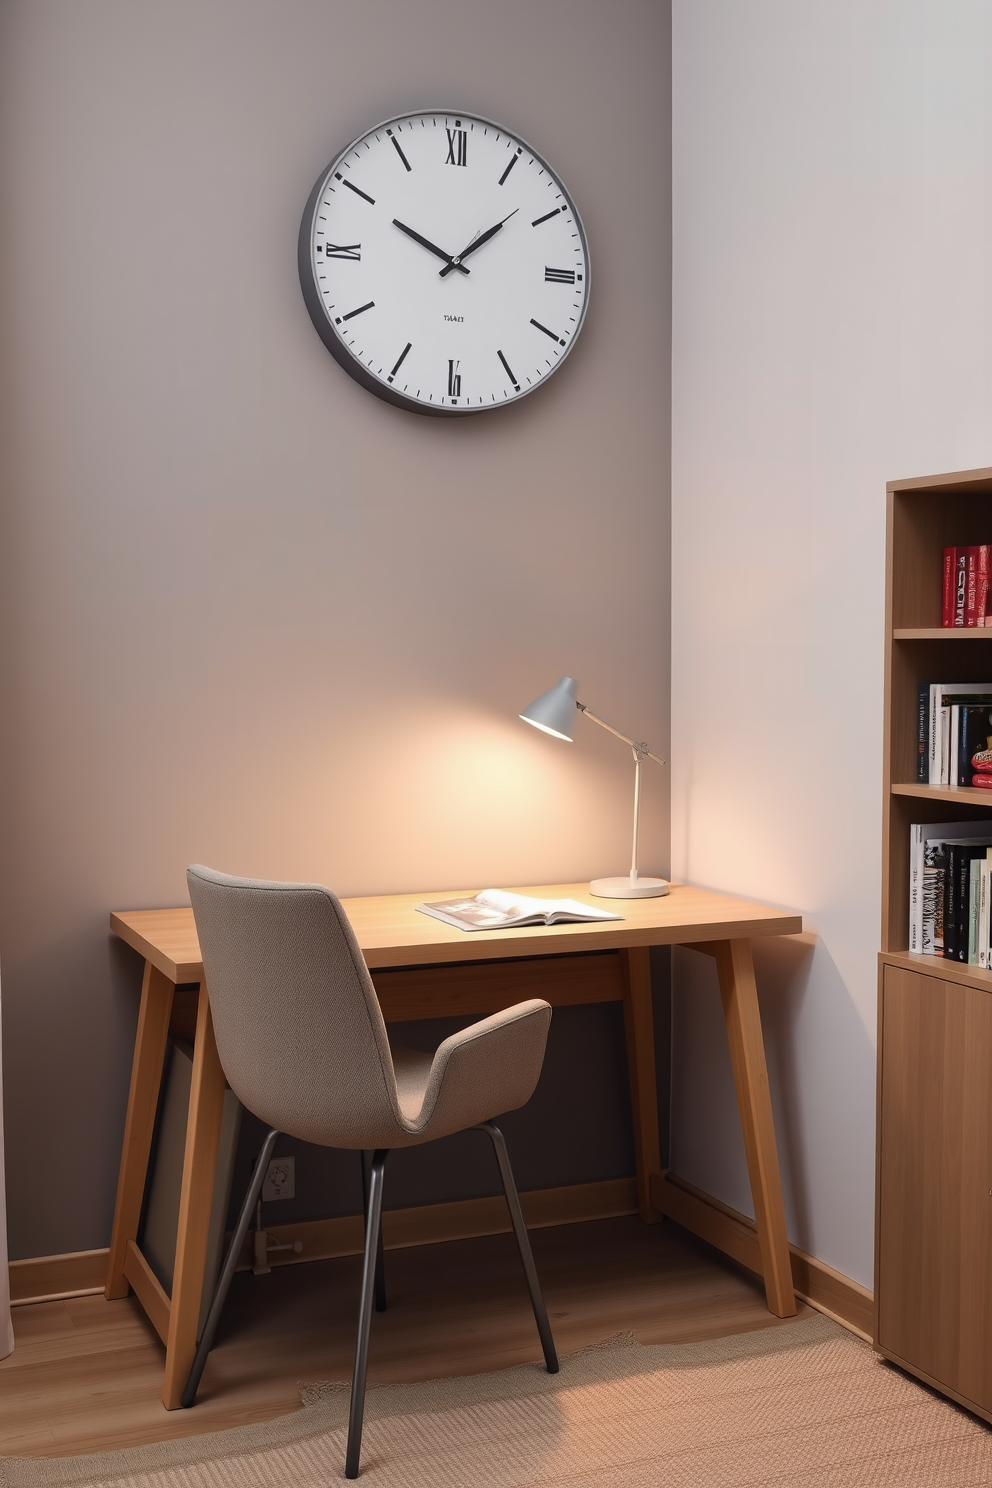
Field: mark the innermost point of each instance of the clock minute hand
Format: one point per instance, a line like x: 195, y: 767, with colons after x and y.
x: 450, y: 263
x: 477, y: 242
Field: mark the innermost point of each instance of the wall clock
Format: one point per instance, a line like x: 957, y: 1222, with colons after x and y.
x: 444, y: 264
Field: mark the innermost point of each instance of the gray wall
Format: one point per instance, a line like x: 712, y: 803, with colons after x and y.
x: 833, y: 330
x: 248, y: 613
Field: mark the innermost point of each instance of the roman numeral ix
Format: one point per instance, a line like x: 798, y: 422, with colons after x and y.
x: 352, y: 251
x: 559, y: 276
x: 457, y: 147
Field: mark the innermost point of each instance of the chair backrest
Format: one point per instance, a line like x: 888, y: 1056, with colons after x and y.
x: 299, y: 1030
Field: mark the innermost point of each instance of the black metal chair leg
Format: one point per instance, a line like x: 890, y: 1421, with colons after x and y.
x: 523, y: 1243
x: 227, y: 1270
x: 380, y: 1262
x: 373, y: 1224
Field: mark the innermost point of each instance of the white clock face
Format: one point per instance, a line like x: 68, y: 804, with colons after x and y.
x: 443, y: 264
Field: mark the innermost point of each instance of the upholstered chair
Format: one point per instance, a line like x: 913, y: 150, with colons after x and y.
x: 303, y: 1045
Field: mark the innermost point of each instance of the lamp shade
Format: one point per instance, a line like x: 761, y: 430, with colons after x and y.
x: 554, y: 711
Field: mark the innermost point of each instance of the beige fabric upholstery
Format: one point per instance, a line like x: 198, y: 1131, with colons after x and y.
x: 301, y: 1036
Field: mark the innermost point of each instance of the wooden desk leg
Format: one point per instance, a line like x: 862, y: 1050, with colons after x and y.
x: 142, y: 1103
x: 206, y: 1107
x: 638, y: 1017
x: 747, y: 1056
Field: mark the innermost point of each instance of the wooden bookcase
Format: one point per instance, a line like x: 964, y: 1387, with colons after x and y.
x: 933, y: 1216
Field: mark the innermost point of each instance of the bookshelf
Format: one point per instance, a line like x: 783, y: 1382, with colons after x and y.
x: 924, y: 517
x: 933, y: 1231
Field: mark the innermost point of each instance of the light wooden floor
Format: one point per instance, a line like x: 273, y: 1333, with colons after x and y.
x: 86, y: 1374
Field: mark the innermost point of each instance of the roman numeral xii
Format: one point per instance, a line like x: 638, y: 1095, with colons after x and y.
x: 457, y: 147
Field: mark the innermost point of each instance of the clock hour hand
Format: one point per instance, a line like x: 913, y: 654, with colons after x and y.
x: 450, y: 263
x: 477, y: 242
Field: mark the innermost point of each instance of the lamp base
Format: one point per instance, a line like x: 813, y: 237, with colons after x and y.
x: 629, y: 888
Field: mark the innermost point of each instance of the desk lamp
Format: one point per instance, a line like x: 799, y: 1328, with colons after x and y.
x: 554, y: 713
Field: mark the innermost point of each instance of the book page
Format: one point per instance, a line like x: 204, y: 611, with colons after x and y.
x: 514, y: 905
x: 495, y: 909
x: 479, y: 913
x: 519, y: 905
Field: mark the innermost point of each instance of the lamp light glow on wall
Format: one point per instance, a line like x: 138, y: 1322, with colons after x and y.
x: 554, y: 713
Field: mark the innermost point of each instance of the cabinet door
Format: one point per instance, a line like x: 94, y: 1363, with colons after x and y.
x: 935, y: 1181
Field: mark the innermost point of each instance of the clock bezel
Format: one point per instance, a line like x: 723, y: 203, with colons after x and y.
x: 328, y: 332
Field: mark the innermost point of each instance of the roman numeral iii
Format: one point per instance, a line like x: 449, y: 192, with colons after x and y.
x: 559, y: 276
x: 457, y: 147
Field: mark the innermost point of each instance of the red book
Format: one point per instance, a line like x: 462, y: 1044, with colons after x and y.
x: 981, y: 583
x: 947, y: 611
x: 960, y: 583
x: 971, y: 587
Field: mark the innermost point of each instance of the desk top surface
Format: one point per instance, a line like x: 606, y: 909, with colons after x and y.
x: 391, y: 932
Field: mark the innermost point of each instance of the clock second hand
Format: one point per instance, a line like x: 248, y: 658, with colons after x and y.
x: 450, y: 263
x: 477, y: 242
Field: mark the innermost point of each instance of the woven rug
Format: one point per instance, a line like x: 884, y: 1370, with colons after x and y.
x: 802, y: 1406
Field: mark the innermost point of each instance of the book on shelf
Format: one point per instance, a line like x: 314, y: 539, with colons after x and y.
x: 972, y: 726
x: 939, y: 760
x: 928, y: 844
x: 978, y: 585
x: 495, y: 909
x: 945, y: 890
x: 965, y: 595
x: 984, y: 927
x: 947, y: 599
x: 974, y: 891
x: 957, y: 896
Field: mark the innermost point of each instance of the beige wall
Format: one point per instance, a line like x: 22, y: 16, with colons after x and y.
x: 248, y: 613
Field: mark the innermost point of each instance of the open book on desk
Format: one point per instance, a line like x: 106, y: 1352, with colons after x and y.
x: 495, y: 909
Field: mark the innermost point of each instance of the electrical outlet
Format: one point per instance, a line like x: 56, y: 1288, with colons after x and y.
x: 280, y: 1179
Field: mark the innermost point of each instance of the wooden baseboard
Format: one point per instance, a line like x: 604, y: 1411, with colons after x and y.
x: 462, y: 1219
x: 83, y: 1273
x: 53, y: 1278
x: 829, y: 1291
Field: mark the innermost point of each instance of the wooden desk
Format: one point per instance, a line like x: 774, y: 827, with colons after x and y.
x: 399, y: 946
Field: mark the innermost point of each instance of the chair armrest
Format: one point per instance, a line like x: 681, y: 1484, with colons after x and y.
x: 490, y: 1067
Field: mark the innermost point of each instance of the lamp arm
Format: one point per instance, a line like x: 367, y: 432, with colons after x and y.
x: 640, y: 750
